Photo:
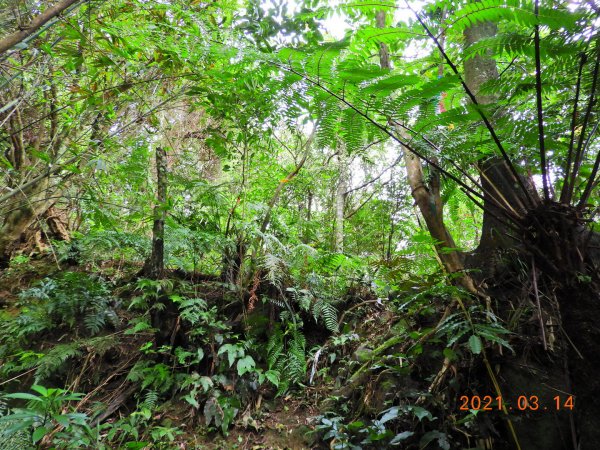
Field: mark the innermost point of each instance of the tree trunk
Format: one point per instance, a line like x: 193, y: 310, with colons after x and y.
x: 13, y: 39
x: 286, y: 180
x: 32, y: 195
x: 561, y: 247
x: 427, y: 195
x: 496, y: 178
x: 21, y: 211
x: 340, y: 199
x: 155, y: 265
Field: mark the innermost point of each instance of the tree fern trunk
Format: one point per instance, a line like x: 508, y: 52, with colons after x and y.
x: 522, y: 374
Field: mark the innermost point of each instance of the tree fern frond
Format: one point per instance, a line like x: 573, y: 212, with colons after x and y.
x: 517, y: 11
x: 275, y: 269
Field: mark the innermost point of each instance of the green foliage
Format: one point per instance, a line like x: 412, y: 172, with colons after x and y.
x: 378, y: 433
x: 320, y: 308
x: 138, y: 429
x: 517, y: 11
x: 158, y: 377
x: 72, y: 301
x: 101, y: 245
x: 57, y: 359
x: 479, y: 326
x: 286, y: 356
x: 232, y: 91
x: 45, y: 411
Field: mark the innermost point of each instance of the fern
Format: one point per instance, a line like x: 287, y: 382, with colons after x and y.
x: 110, y: 244
x: 275, y: 347
x: 66, y: 302
x: 516, y: 11
x: 296, y: 357
x: 327, y: 312
x: 158, y: 377
x: 150, y: 400
x: 286, y: 354
x: 352, y: 131
x: 277, y: 302
x: 303, y: 298
x: 55, y: 360
x: 275, y: 269
x: 193, y: 310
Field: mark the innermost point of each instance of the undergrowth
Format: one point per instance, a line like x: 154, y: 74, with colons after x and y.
x: 153, y: 348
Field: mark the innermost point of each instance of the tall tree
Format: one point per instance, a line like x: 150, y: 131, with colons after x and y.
x: 427, y: 192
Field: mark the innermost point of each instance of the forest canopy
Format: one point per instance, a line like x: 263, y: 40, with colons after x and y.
x: 307, y: 224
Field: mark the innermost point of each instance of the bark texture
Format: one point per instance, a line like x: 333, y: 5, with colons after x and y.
x: 155, y: 265
x: 557, y: 352
x: 21, y: 212
x: 340, y: 199
x: 13, y: 39
x: 427, y: 195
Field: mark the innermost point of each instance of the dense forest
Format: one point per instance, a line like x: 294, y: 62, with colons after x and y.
x: 246, y: 224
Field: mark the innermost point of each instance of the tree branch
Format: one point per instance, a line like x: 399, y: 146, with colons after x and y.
x: 471, y: 96
x: 39, y: 21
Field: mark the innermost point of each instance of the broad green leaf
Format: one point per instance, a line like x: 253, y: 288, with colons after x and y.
x: 39, y: 433
x: 24, y: 396
x: 420, y: 412
x: 245, y: 365
x: 475, y: 344
x: 390, y: 414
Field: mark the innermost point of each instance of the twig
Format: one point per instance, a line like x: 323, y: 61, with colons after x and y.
x: 18, y: 376
x: 537, y: 300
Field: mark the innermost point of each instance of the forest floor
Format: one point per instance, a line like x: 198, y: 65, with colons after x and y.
x: 264, y: 420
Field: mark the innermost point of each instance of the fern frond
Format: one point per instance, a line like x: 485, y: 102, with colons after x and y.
x: 150, y: 400
x: 55, y: 359
x: 275, y: 269
x: 517, y: 11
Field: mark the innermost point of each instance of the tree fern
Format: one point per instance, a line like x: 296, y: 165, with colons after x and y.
x: 517, y: 11
x: 352, y: 130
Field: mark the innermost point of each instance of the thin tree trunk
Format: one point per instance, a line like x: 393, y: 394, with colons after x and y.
x: 283, y: 183
x: 155, y: 265
x: 427, y: 196
x: 340, y: 199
